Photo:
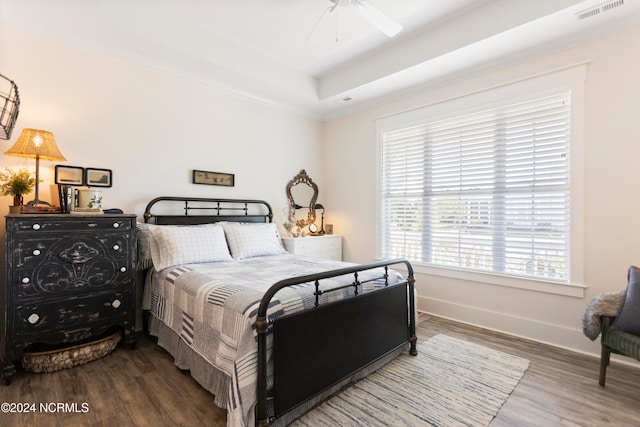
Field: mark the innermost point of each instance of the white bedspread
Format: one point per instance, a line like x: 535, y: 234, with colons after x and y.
x: 213, y: 306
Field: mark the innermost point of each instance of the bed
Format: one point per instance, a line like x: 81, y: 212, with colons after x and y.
x: 268, y: 333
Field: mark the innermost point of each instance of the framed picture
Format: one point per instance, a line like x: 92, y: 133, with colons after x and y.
x: 69, y: 175
x: 213, y: 178
x: 97, y: 177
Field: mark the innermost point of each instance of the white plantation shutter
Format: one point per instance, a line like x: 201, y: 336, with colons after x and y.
x: 487, y: 191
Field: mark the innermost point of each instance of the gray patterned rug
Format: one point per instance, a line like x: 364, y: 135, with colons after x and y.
x: 450, y: 383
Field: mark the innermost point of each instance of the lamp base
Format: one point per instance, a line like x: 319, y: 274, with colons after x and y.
x: 37, y: 202
x: 40, y: 207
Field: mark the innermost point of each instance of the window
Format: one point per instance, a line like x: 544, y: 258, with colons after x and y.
x: 486, y: 190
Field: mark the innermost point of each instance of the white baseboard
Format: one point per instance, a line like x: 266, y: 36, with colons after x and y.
x: 563, y: 337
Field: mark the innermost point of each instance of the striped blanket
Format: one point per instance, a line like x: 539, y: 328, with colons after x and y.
x: 212, y: 308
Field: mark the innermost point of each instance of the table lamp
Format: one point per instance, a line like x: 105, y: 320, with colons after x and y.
x: 319, y: 206
x: 36, y: 144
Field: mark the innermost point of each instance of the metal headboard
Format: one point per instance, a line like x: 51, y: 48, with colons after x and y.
x: 198, y: 210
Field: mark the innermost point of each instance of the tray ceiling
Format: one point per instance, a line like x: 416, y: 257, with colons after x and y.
x: 266, y: 49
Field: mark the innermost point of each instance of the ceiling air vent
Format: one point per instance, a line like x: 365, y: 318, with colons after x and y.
x: 601, y: 8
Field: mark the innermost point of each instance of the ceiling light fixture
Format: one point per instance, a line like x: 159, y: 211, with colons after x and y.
x: 368, y: 12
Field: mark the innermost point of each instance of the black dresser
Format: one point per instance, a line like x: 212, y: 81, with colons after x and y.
x: 68, y: 278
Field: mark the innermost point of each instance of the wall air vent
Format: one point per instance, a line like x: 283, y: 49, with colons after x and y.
x: 597, y: 10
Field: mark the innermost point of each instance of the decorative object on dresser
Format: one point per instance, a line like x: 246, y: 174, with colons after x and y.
x: 326, y: 247
x: 98, y: 177
x: 69, y: 175
x: 68, y: 278
x: 54, y: 358
x: 322, y: 231
x: 16, y: 184
x: 36, y: 144
x: 302, y: 194
x: 10, y: 101
x: 89, y: 198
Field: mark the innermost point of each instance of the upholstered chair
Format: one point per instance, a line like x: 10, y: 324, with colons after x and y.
x: 616, y: 316
x: 615, y: 341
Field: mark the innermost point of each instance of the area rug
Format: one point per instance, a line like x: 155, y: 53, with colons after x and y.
x: 450, y: 383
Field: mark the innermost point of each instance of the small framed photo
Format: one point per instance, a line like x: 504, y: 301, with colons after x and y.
x: 69, y: 175
x: 213, y: 178
x: 97, y: 177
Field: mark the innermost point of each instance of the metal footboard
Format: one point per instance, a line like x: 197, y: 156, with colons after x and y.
x: 318, y: 348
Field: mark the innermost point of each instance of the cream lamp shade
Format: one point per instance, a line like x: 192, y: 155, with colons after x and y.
x: 36, y: 144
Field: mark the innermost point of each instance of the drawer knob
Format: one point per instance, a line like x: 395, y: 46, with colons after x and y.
x: 116, y: 247
x: 116, y: 303
x: 33, y: 319
x: 36, y: 226
x: 116, y: 225
x: 36, y: 252
x: 25, y: 280
x: 123, y: 269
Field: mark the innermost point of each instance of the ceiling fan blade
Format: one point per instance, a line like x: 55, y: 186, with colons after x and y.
x: 328, y: 9
x: 377, y: 18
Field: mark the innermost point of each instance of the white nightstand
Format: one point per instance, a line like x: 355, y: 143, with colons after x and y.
x: 327, y: 246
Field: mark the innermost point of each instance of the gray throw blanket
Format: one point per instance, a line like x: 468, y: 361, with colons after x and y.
x: 605, y: 304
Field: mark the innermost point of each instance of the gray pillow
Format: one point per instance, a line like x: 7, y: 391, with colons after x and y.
x: 628, y: 320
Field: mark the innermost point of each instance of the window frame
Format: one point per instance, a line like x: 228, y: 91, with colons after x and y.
x: 571, y: 78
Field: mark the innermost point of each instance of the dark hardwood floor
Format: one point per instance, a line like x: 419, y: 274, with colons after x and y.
x: 560, y: 388
x: 142, y: 387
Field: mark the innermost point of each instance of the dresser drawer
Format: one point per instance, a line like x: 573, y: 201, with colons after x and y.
x: 67, y: 223
x: 50, y: 265
x: 70, y: 315
x: 326, y: 247
x: 303, y: 246
x: 30, y: 252
x: 68, y: 280
x: 327, y: 253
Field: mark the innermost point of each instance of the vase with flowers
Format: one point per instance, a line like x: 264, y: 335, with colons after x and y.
x: 16, y: 184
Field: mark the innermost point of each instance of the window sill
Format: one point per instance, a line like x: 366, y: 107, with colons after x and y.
x: 570, y: 290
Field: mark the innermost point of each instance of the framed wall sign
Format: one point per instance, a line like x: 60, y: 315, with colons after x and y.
x: 213, y: 178
x: 69, y: 175
x: 97, y: 177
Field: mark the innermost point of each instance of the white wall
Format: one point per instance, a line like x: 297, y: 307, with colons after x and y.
x: 151, y: 129
x: 611, y: 206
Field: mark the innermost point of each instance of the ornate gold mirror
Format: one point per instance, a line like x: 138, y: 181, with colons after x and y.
x: 302, y: 193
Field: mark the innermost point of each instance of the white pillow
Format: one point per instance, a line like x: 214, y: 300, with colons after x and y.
x: 248, y: 240
x: 187, y: 244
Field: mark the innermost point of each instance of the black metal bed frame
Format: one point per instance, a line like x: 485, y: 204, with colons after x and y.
x: 318, y: 348
x: 240, y: 210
